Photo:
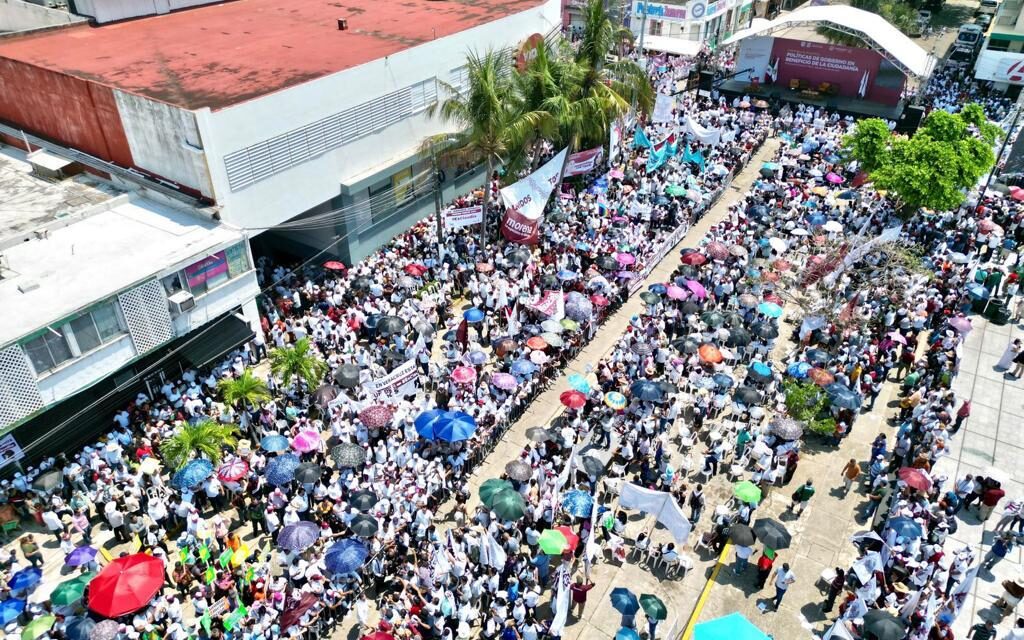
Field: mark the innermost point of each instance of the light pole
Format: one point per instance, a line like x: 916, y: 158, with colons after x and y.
x: 438, y: 199
x: 643, y: 30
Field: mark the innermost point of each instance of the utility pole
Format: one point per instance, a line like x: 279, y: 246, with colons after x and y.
x: 1002, y: 149
x: 643, y: 30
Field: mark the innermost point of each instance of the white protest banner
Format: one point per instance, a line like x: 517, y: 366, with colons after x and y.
x: 401, y: 382
x: 663, y: 106
x: 525, y: 201
x: 548, y: 304
x: 661, y: 505
x: 704, y: 135
x: 583, y: 162
x: 10, y: 451
x: 458, y: 218
x: 561, y: 604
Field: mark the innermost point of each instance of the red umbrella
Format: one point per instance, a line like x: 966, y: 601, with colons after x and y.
x: 1017, y: 193
x: 693, y: 259
x: 292, y: 615
x: 570, y: 537
x: 709, y: 353
x: 415, y: 270
x: 915, y: 478
x: 599, y: 300
x: 717, y: 250
x: 770, y: 276
x: 484, y: 267
x: 986, y: 225
x: 573, y: 399
x: 537, y: 343
x: 464, y: 375
x: 820, y: 377
x: 126, y: 585
x: 233, y: 471
x: 376, y: 416
x: 771, y: 297
x: 334, y: 265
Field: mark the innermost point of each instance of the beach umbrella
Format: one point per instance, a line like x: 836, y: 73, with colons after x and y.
x: 816, y: 357
x: 308, y: 473
x: 591, y: 465
x: 298, y: 536
x: 473, y: 315
x: 731, y: 627
x: 747, y: 396
x: 556, y: 541
x: 742, y: 535
x: 615, y: 400
x: 710, y: 353
x: 345, y: 556
x: 879, y: 624
x: 105, y: 630
x: 624, y: 601
x: 306, y: 440
x: 693, y: 259
x: 713, y: 319
x: 11, y: 608
x: 770, y: 309
x: 292, y: 616
x: 539, y: 434
x: 281, y: 470
x: 464, y: 375
x: 505, y: 381
x: 625, y: 633
x: 915, y: 478
x: 508, y: 504
x: 71, y: 591
x: 363, y: 500
x: 48, y: 481
x: 647, y: 390
x: 578, y: 503
x: 798, y: 370
x: 772, y: 533
x: 653, y: 606
x: 233, y: 471
x: 80, y: 556
x: 192, y: 474
x: 843, y: 396
x: 364, y: 526
x: 37, y: 627
x: 449, y: 426
x: 747, y: 300
x: 579, y: 383
x: 759, y: 371
x: 489, y: 488
x: 738, y: 338
x: 348, y: 455
x: 553, y: 340
x: 747, y: 491
x: 347, y: 376
x: 572, y: 399
x: 376, y: 416
x: 519, y: 470
x: 79, y: 628
x: 390, y: 326
x: 126, y: 585
x: 820, y: 376
x: 523, y: 367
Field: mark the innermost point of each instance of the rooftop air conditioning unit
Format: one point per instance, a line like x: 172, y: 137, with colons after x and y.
x: 181, y: 302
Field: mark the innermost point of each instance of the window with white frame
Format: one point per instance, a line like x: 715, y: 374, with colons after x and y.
x: 75, y: 337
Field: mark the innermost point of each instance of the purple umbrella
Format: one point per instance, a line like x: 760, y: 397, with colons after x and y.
x: 625, y: 275
x: 697, y: 288
x: 625, y: 258
x: 80, y: 556
x: 834, y: 178
x: 961, y: 324
x: 298, y: 536
x: 504, y: 381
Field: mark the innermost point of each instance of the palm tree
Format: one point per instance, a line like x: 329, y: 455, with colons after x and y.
x: 492, y: 128
x: 297, y: 361
x: 244, y: 391
x: 204, y: 439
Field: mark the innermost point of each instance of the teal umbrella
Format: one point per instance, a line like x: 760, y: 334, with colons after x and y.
x: 733, y: 626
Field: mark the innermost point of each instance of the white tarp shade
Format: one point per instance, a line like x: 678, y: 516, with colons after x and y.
x: 675, y: 46
x: 872, y: 27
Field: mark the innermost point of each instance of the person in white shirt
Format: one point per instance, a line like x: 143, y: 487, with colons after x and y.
x: 784, y: 577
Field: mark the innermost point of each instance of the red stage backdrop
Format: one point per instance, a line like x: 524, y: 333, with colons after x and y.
x: 817, y: 62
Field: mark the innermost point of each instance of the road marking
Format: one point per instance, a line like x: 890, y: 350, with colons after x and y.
x: 695, y: 615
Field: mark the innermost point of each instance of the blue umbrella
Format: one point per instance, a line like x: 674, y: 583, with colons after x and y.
x: 706, y: 383
x: 345, y: 556
x: 647, y: 390
x: 192, y: 474
x: 578, y: 503
x: 80, y: 556
x: 754, y: 273
x: 565, y: 274
x: 79, y: 628
x: 523, y: 367
x: 798, y: 370
x: 579, y: 383
x: 10, y: 609
x: 281, y: 470
x: 849, y: 194
x: 477, y: 357
x: 624, y: 601
x: 473, y: 315
x: 625, y: 633
x: 583, y: 246
x: 25, y: 578
x: 906, y: 527
x: 450, y: 426
x: 761, y: 369
x: 299, y: 536
x: 817, y: 357
x: 843, y: 396
x: 816, y: 219
x: 274, y: 443
x: 977, y: 291
x: 770, y: 309
x: 733, y: 626
x: 723, y: 380
x: 658, y: 288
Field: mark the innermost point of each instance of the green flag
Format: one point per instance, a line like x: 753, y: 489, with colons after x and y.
x: 205, y: 621
x: 204, y: 552
x: 769, y: 553
x: 225, y: 558
x: 242, y: 611
x: 250, y: 573
x: 211, y: 575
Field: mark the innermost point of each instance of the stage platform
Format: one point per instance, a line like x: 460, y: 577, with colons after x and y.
x: 844, y: 105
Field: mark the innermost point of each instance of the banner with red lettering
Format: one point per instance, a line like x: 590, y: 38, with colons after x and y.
x: 583, y: 162
x: 525, y: 201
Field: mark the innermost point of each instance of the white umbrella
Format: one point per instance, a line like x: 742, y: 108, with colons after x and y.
x: 799, y: 232
x: 778, y: 244
x: 833, y: 226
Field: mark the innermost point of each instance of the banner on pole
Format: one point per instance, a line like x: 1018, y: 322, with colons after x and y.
x: 584, y: 161
x: 401, y: 382
x: 663, y: 107
x: 464, y: 217
x: 525, y: 201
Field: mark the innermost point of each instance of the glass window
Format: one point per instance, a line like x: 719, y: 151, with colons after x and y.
x: 85, y: 333
x: 173, y: 283
x: 108, y: 323
x: 47, y: 350
x: 238, y: 259
x: 208, y: 273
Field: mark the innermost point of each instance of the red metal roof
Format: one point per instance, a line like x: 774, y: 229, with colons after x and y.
x: 219, y: 55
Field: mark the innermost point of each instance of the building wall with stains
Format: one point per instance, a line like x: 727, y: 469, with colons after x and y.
x: 289, y: 192
x: 71, y: 111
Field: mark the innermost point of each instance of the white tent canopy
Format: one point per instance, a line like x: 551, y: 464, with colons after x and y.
x: 876, y: 32
x: 675, y: 46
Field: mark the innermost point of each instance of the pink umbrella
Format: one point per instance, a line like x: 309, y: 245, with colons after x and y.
x: 697, y: 288
x: 619, y: 219
x: 986, y: 225
x: 625, y: 258
x: 834, y: 178
x: 464, y: 375
x: 676, y: 293
x: 306, y: 440
x: 505, y: 381
x: 616, y: 174
x: 961, y: 324
x: 539, y: 357
x: 233, y: 471
x: 896, y: 336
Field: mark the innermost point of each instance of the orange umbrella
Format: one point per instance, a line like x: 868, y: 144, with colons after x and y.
x: 781, y: 265
x: 820, y: 376
x: 537, y: 343
x: 709, y: 353
x: 770, y: 276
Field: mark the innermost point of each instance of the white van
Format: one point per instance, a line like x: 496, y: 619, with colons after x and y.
x: 988, y: 6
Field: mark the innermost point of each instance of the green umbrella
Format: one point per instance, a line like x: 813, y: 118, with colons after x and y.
x: 553, y: 542
x: 70, y: 591
x: 747, y: 491
x: 675, y: 190
x: 569, y: 324
x: 650, y: 297
x: 491, y: 487
x: 508, y: 504
x: 653, y: 606
x: 37, y: 627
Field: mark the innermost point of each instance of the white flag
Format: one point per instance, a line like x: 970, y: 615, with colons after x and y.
x: 863, y: 91
x: 911, y: 606
x: 562, y: 604
x: 959, y: 594
x: 491, y: 553
x: 856, y: 609
x: 838, y: 632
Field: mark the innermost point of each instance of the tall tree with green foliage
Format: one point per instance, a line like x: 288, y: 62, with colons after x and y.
x: 298, y: 361
x: 935, y: 168
x: 204, y: 439
x: 243, y: 392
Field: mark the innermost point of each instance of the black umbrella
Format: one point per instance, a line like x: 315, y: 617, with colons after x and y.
x: 650, y: 297
x: 668, y: 387
x: 882, y: 625
x: 347, y: 376
x: 689, y: 307
x: 713, y: 319
x: 364, y: 526
x: 642, y: 348
x: 518, y: 256
x: 764, y: 330
x: 348, y: 455
x: 738, y: 338
x: 308, y: 473
x: 686, y: 345
x: 519, y: 470
x: 539, y: 434
x: 747, y: 396
x: 48, y: 481
x: 817, y: 357
x: 364, y: 499
x: 608, y: 263
x: 325, y: 394
x: 734, y: 319
x: 391, y: 325
x: 688, y: 270
x: 772, y: 534
x: 742, y: 535
x: 758, y: 375
x: 362, y: 283
x: 592, y: 466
